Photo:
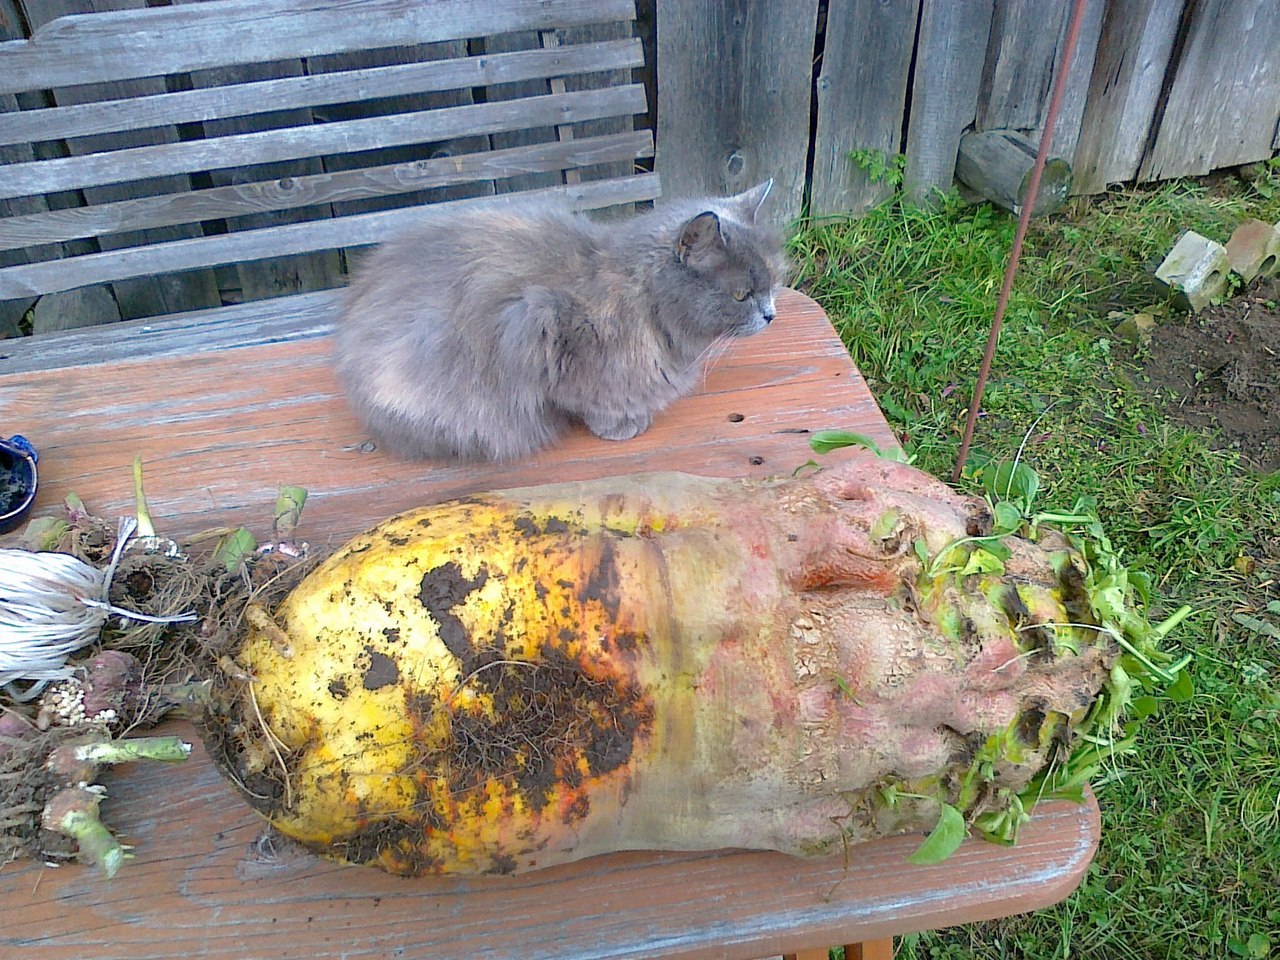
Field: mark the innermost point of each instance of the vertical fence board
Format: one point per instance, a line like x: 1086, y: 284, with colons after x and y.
x: 1026, y: 38
x: 1128, y: 73
x: 1225, y: 97
x: 950, y: 54
x: 734, y: 82
x: 862, y: 95
x: 1027, y: 46
x: 1066, y: 132
x: 152, y: 295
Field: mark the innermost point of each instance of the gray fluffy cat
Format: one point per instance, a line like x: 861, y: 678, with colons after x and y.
x: 483, y: 333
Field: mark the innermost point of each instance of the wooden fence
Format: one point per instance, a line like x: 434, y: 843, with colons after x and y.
x: 789, y: 88
x: 740, y: 90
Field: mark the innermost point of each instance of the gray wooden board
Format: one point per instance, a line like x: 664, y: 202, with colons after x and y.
x: 144, y: 296
x: 734, y: 86
x: 220, y: 33
x: 1224, y: 102
x: 297, y: 317
x: 312, y: 90
x: 268, y: 146
x: 1023, y: 57
x: 1133, y: 53
x: 47, y: 226
x: 13, y: 313
x: 950, y: 52
x: 862, y: 92
x: 602, y: 35
x: 277, y: 276
x: 1025, y: 43
x: 285, y: 240
x: 445, y: 52
x: 515, y: 91
x: 1066, y: 131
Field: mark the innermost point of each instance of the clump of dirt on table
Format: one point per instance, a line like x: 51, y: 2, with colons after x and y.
x: 1219, y: 371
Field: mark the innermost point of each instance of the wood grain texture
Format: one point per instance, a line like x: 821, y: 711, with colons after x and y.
x: 529, y: 134
x: 1066, y: 131
x: 283, y: 93
x: 862, y: 94
x: 276, y: 413
x: 284, y: 240
x: 299, y: 317
x: 220, y: 33
x: 1025, y: 43
x: 950, y: 51
x: 1224, y: 102
x: 595, y: 35
x: 209, y: 883
x: 277, y: 276
x: 1024, y: 55
x: 1133, y: 54
x: 292, y: 143
x: 218, y: 432
x: 734, y: 83
x: 423, y: 150
x: 144, y: 295
x: 31, y: 230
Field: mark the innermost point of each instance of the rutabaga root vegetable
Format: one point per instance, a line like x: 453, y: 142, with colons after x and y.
x: 524, y: 678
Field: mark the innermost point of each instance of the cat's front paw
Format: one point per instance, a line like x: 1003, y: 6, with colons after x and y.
x: 618, y: 428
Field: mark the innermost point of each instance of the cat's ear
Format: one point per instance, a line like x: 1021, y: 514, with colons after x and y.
x: 699, y: 236
x: 750, y: 201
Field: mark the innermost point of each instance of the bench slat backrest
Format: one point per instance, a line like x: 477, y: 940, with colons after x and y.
x: 159, y: 140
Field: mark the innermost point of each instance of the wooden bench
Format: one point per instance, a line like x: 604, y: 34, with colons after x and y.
x: 225, y: 403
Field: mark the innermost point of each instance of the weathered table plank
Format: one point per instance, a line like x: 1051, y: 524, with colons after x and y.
x: 208, y: 884
x: 218, y: 431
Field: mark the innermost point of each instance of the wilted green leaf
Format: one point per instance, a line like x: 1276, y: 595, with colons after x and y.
x: 235, y: 548
x: 1257, y: 625
x: 943, y: 840
x: 289, y: 504
x: 921, y: 548
x: 982, y: 561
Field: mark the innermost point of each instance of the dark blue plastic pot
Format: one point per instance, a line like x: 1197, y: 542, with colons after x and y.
x: 18, y: 481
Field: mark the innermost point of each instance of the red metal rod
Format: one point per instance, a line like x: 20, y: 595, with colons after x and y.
x: 1028, y: 204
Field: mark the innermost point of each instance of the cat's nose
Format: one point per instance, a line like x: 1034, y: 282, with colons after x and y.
x: 768, y: 314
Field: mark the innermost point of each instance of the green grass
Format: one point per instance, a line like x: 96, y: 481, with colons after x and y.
x: 1189, y: 863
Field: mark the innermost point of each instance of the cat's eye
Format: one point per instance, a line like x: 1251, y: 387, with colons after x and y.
x: 741, y: 295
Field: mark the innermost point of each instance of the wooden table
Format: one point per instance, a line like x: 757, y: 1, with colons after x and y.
x: 219, y: 430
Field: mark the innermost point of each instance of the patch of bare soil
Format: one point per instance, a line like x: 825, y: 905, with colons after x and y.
x: 1220, y: 372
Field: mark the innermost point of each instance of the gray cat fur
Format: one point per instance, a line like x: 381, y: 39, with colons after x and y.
x: 483, y: 333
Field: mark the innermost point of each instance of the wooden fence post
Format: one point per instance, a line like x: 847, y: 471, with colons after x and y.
x: 1128, y: 73
x: 734, y: 80
x: 950, y: 54
x: 862, y: 94
x: 1224, y: 100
